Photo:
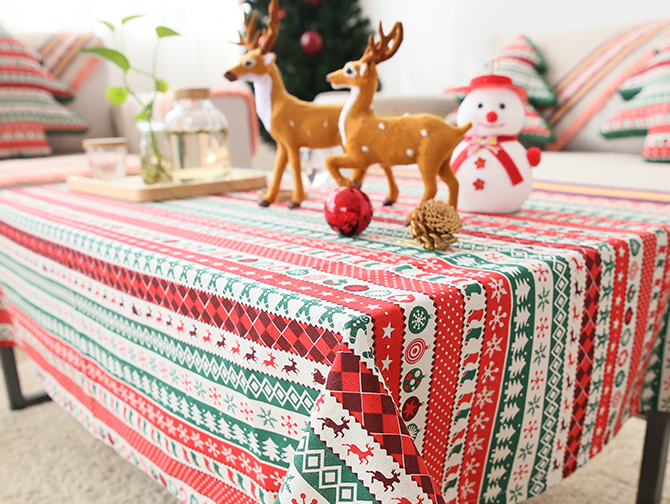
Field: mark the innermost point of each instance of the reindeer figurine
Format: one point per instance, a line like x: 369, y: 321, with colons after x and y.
x: 424, y: 139
x: 291, y: 122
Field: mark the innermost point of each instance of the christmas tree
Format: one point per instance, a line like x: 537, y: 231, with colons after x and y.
x: 315, y: 38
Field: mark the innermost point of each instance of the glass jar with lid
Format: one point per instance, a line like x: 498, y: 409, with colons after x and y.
x: 198, y: 137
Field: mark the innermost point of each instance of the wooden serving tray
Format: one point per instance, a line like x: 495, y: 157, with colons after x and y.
x: 133, y: 188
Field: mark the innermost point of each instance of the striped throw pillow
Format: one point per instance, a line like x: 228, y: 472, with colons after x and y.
x: 61, y: 57
x: 593, y: 80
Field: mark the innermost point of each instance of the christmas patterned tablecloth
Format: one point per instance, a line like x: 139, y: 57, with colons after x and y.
x: 244, y: 354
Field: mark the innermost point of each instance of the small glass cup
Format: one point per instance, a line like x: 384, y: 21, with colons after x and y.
x: 106, y: 156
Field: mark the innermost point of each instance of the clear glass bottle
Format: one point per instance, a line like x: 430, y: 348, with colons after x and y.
x: 198, y: 137
x: 155, y: 158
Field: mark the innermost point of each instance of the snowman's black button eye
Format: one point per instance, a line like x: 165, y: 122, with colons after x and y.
x: 502, y: 105
x: 480, y: 105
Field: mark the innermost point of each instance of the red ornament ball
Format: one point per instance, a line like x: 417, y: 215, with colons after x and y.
x: 312, y: 2
x: 311, y: 42
x: 348, y: 210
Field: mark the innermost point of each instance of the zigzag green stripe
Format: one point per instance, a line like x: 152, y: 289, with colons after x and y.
x: 538, y: 479
x: 194, y: 411
x: 193, y: 359
x: 326, y: 473
x: 171, y: 398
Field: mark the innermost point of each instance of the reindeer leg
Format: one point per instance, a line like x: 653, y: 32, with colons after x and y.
x: 334, y: 164
x: 277, y: 172
x: 429, y: 176
x: 357, y: 177
x: 296, y: 167
x: 450, y: 179
x: 393, y: 187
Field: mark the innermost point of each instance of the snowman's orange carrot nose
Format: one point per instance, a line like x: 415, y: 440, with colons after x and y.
x: 491, y: 117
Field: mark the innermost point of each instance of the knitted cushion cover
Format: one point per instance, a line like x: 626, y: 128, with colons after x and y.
x: 657, y: 144
x: 522, y: 48
x: 526, y: 76
x: 657, y: 67
x: 650, y: 107
x: 23, y: 139
x: 28, y: 106
x: 26, y: 114
x: 20, y: 67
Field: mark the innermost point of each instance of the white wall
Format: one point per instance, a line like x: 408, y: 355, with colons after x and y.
x: 197, y: 58
x: 446, y: 41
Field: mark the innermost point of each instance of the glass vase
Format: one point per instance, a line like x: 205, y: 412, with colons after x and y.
x: 154, y: 151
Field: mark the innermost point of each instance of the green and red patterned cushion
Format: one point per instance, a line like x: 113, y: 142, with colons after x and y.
x: 536, y: 129
x: 20, y: 67
x: 28, y: 102
x: 522, y: 62
x: 524, y: 50
x: 26, y: 139
x: 657, y: 144
x: 647, y: 111
x: 656, y: 69
x: 26, y: 115
x: 650, y: 107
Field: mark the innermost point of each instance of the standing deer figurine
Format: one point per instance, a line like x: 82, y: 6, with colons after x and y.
x: 424, y: 139
x: 292, y: 123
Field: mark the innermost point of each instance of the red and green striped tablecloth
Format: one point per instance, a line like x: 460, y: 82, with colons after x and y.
x: 244, y: 354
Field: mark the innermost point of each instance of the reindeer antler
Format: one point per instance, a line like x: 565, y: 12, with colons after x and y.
x: 271, y: 32
x: 252, y: 36
x: 376, y: 52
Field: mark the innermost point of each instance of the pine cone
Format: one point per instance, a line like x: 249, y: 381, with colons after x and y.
x: 433, y: 224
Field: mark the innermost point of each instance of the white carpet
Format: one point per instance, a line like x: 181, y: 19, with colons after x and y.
x: 48, y: 458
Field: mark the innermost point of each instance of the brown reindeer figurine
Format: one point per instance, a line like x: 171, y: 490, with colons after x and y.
x: 292, y: 123
x: 424, y: 139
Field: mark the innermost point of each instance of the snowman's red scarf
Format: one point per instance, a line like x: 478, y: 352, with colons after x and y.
x: 492, y: 144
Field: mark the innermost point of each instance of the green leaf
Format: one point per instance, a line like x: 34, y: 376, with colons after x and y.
x: 130, y: 18
x: 145, y: 113
x: 109, y: 54
x: 108, y: 24
x: 163, y: 31
x: 161, y: 85
x: 117, y: 95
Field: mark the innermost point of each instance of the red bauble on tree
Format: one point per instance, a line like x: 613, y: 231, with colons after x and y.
x: 311, y: 42
x: 312, y: 2
x: 348, y: 210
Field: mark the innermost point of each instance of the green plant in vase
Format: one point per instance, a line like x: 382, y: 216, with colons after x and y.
x: 155, y: 160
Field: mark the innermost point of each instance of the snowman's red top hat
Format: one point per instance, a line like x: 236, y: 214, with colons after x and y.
x: 491, y: 80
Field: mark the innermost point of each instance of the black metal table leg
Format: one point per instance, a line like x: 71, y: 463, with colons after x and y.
x: 16, y: 398
x: 654, y: 456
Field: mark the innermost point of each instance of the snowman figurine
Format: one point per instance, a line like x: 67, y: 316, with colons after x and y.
x: 492, y: 167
